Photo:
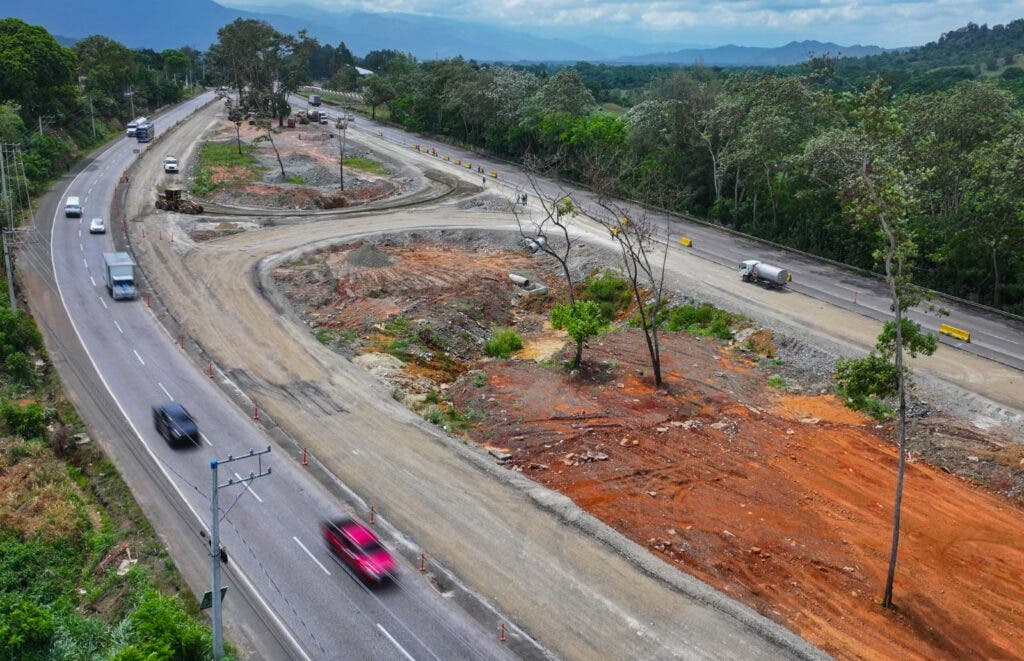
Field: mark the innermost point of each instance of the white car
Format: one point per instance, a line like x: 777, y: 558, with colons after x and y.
x: 97, y: 226
x: 170, y: 164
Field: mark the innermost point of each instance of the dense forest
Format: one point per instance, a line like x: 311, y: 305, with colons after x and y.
x: 751, y: 149
x: 56, y: 102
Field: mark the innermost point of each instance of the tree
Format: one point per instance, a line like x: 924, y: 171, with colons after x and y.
x: 564, y: 93
x: 582, y: 320
x: 880, y: 191
x: 38, y: 74
x: 268, y: 136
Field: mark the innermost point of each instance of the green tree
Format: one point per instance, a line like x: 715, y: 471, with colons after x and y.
x: 38, y: 74
x: 582, y: 320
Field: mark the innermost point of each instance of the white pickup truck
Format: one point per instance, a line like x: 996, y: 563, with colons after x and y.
x: 171, y: 164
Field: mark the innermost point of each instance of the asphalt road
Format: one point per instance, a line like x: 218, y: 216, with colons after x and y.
x: 992, y: 336
x: 269, y: 529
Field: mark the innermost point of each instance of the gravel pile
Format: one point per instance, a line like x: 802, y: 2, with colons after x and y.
x: 487, y: 202
x: 367, y: 256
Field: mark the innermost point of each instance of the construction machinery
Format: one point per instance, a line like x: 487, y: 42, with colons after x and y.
x: 172, y: 200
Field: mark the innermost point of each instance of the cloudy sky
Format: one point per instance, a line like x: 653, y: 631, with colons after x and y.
x: 706, y: 22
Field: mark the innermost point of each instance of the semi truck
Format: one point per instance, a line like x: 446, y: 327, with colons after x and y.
x: 133, y: 126
x: 120, y: 275
x: 314, y: 99
x: 145, y: 131
x: 753, y: 270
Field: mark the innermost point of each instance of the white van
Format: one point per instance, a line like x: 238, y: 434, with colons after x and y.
x: 72, y: 208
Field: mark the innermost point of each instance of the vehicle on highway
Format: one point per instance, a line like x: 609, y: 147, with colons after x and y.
x: 323, y: 118
x: 314, y: 99
x: 175, y: 423
x: 119, y: 274
x: 171, y: 164
x: 72, y: 207
x: 752, y: 270
x: 359, y: 549
x: 97, y: 226
x: 133, y: 125
x: 350, y: 117
x: 145, y: 132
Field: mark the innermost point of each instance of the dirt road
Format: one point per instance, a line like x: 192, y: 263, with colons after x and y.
x: 576, y: 594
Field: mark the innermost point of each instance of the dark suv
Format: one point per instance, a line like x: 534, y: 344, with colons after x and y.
x: 175, y: 424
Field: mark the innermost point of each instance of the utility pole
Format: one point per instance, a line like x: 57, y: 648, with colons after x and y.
x: 8, y: 208
x: 215, y: 552
x: 92, y: 116
x: 131, y: 98
x: 342, y: 125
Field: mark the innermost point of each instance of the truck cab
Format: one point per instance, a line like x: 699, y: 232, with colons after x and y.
x: 72, y: 207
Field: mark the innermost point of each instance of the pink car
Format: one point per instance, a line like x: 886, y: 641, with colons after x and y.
x: 356, y: 546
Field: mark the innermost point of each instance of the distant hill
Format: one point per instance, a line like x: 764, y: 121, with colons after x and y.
x: 143, y: 24
x: 794, y: 52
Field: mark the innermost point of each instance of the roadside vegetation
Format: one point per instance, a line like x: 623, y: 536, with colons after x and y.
x: 220, y: 163
x: 82, y: 574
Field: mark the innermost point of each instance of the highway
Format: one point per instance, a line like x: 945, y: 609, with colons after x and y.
x: 269, y: 529
x: 993, y: 336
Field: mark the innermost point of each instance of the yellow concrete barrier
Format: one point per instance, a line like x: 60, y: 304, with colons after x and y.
x: 458, y: 162
x: 685, y: 242
x: 447, y: 159
x: 469, y: 166
x: 494, y: 174
x: 416, y: 147
x: 953, y: 331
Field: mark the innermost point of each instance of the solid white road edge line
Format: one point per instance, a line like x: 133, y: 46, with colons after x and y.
x: 174, y: 485
x: 313, y: 557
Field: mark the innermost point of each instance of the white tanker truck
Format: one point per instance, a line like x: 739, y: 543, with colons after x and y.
x: 753, y: 270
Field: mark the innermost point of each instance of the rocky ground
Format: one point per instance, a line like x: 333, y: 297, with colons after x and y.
x: 742, y: 469
x: 309, y: 154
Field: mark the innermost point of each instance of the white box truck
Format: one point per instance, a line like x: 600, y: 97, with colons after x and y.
x: 72, y: 207
x: 119, y: 272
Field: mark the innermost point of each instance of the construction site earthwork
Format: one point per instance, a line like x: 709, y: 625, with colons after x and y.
x: 743, y: 468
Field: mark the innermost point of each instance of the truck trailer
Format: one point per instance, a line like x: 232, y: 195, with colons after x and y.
x: 145, y: 132
x: 314, y: 99
x: 119, y: 270
x: 753, y: 270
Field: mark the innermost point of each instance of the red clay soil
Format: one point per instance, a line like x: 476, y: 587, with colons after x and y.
x: 783, y: 502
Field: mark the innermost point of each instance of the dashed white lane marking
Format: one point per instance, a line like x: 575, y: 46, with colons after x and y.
x: 250, y: 489
x: 318, y: 563
x: 139, y: 357
x: 85, y: 262
x: 81, y: 248
x: 395, y: 642
x: 93, y: 281
x: 104, y: 303
x: 119, y: 327
x: 205, y: 440
x: 165, y: 391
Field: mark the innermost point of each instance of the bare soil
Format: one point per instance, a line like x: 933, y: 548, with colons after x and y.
x: 780, y: 498
x: 310, y: 155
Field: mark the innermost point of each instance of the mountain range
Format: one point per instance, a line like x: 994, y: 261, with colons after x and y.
x: 143, y: 24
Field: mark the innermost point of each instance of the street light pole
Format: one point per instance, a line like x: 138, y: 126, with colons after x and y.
x: 343, y: 127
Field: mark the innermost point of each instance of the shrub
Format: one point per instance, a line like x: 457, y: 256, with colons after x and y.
x: 582, y: 321
x: 704, y: 319
x: 610, y: 292
x: 20, y: 368
x: 503, y: 343
x: 27, y: 422
x: 776, y: 381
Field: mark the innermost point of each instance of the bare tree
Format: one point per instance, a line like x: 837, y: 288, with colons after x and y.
x: 635, y: 232
x: 268, y: 136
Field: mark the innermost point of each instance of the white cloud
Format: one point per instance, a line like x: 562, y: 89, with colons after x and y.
x: 755, y: 22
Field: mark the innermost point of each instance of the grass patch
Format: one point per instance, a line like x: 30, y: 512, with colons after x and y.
x: 333, y: 337
x: 776, y: 381
x: 611, y: 293
x: 365, y: 164
x: 873, y: 406
x: 704, y: 320
x: 451, y: 418
x: 503, y: 343
x: 480, y: 380
x: 293, y: 179
x: 226, y: 155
